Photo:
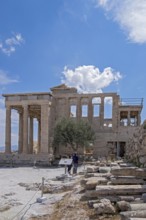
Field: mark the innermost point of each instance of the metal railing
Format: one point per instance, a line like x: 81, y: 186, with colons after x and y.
x: 131, y: 102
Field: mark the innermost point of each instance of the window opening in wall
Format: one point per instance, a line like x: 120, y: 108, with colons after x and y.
x: 96, y: 102
x: 14, y: 130
x: 124, y: 118
x: 108, y: 107
x: 84, y: 110
x: 134, y: 118
x: 73, y: 111
x: 108, y: 111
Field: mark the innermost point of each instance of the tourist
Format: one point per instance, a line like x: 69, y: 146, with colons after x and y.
x: 69, y: 166
x: 75, y: 163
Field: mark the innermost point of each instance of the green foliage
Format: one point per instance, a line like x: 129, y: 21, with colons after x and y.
x: 69, y: 132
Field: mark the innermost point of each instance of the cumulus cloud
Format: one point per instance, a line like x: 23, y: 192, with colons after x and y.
x: 131, y: 16
x: 5, y: 79
x: 9, y: 45
x: 88, y: 79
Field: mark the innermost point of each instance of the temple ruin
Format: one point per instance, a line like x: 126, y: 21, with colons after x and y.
x: 113, y: 119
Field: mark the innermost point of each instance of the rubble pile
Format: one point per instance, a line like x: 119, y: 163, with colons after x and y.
x: 136, y: 147
x: 117, y: 189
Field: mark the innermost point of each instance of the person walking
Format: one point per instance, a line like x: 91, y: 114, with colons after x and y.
x: 69, y: 166
x: 75, y: 163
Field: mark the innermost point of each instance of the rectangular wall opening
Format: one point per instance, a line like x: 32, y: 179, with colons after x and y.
x: 73, y: 111
x: 84, y: 110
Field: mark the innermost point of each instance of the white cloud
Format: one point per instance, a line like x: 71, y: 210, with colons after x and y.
x: 88, y: 79
x: 16, y: 40
x: 131, y: 16
x: 9, y: 45
x: 5, y: 79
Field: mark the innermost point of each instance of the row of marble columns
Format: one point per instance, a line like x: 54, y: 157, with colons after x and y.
x: 26, y: 125
x: 137, y: 119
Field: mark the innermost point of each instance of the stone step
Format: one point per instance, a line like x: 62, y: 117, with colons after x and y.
x: 138, y: 207
x: 133, y: 214
x: 121, y: 180
x: 129, y: 171
x: 136, y: 218
x: 117, y: 198
x: 116, y: 190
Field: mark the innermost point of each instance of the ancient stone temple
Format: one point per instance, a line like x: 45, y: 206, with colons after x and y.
x: 113, y: 119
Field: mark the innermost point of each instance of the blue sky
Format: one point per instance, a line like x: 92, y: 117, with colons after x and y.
x: 95, y: 45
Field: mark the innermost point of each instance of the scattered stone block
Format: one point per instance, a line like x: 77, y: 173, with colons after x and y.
x: 133, y: 214
x: 104, y: 207
x: 144, y: 197
x: 121, y: 180
x: 123, y: 206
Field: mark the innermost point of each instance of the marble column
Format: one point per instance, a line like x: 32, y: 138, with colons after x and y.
x: 8, y: 130
x: 138, y: 119
x: 39, y: 136
x: 45, y: 113
x: 128, y: 119
x: 25, y: 129
x: 31, y: 135
x: 20, y: 140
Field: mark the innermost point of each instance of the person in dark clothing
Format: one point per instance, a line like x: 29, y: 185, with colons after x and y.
x: 69, y: 167
x: 75, y: 163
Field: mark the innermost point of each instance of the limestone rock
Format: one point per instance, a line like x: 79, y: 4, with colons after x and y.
x: 94, y: 181
x: 123, y: 206
x: 104, y: 207
x: 92, y: 169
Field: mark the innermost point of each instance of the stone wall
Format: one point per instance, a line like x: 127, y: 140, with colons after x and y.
x: 136, y: 146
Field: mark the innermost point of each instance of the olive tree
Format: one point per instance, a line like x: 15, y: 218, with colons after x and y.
x: 73, y: 133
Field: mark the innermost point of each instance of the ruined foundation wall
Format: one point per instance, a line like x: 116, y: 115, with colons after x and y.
x: 136, y: 146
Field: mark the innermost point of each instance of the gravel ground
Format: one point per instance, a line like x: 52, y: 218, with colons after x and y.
x: 18, y: 203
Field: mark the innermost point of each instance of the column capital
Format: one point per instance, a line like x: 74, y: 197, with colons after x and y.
x: 8, y: 107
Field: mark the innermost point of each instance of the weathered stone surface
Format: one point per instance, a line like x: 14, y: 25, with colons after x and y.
x: 124, y: 171
x: 123, y: 206
x: 104, y: 207
x: 136, y: 218
x: 120, y: 189
x: 92, y: 202
x: 83, y: 182
x: 138, y: 207
x: 104, y: 169
x: 88, y: 175
x: 120, y: 180
x: 116, y: 190
x: 92, y: 169
x: 144, y: 197
x: 118, y: 198
x: 126, y: 164
x: 114, y: 164
x: 94, y: 181
x: 129, y: 171
x: 133, y: 214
